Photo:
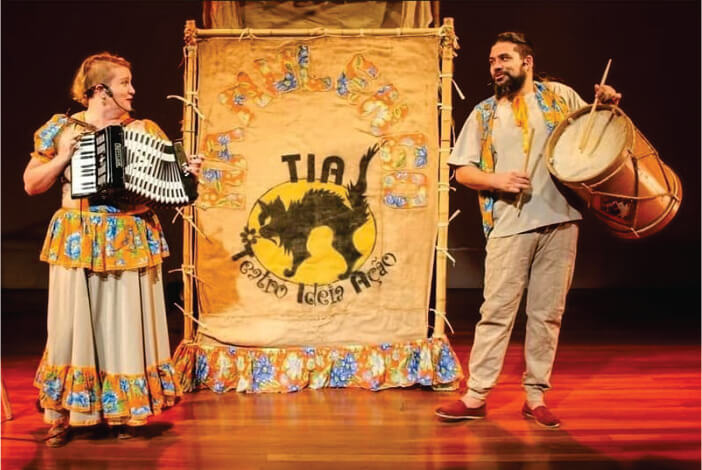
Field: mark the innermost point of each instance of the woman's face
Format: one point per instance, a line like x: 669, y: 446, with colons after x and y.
x: 121, y: 86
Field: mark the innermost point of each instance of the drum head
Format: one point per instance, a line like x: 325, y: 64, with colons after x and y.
x: 610, y: 132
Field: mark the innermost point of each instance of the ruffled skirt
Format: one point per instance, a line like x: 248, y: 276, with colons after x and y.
x: 107, y: 355
x: 104, y: 239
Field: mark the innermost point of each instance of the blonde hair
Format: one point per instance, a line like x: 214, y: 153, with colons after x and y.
x: 96, y: 69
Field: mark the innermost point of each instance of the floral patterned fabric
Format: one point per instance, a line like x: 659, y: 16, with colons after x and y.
x: 428, y: 362
x: 45, y: 136
x: 554, y: 109
x: 104, y: 239
x: 123, y: 399
x: 107, y: 354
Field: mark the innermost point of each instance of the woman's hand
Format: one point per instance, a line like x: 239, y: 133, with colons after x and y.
x: 39, y: 176
x: 195, y: 164
x: 67, y: 143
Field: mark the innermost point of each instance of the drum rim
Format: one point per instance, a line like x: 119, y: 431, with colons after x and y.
x: 655, y: 226
x: 619, y: 160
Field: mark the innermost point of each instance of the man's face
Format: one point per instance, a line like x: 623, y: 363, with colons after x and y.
x: 506, y: 68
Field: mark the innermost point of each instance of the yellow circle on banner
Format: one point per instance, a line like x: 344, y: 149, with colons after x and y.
x: 309, y: 233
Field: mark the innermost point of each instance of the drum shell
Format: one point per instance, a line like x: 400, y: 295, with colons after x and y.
x: 636, y: 195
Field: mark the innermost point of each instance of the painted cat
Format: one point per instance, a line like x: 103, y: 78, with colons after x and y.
x: 319, y: 207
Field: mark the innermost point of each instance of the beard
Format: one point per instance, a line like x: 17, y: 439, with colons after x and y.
x: 511, y: 85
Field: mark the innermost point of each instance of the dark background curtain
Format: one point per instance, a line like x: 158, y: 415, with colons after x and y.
x: 655, y: 47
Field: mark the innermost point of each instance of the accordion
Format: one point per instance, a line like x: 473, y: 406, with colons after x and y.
x: 119, y: 164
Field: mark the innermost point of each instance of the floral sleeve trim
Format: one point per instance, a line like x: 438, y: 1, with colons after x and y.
x: 121, y: 398
x: 428, y: 362
x: 104, y: 241
x: 44, y: 137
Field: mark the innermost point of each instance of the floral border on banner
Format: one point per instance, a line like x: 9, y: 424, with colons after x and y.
x: 221, y: 368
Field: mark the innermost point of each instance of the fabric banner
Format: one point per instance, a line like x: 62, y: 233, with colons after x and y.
x: 318, y: 200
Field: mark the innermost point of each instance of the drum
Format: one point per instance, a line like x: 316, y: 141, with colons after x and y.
x: 617, y: 172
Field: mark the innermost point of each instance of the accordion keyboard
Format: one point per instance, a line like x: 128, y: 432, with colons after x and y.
x: 84, y: 168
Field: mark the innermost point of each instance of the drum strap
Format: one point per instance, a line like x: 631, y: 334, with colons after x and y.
x: 554, y: 109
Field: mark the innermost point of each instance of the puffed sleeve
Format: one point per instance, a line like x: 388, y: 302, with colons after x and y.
x: 571, y: 96
x: 45, y: 138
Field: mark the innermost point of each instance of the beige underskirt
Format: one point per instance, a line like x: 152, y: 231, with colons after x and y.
x: 114, y: 322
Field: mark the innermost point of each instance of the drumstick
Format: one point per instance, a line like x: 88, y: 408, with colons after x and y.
x: 520, y: 202
x: 585, y: 133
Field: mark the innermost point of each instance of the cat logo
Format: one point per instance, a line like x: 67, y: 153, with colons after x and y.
x: 313, y: 232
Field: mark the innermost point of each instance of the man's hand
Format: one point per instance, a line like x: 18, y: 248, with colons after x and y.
x: 475, y: 178
x: 608, y: 95
x: 511, y: 181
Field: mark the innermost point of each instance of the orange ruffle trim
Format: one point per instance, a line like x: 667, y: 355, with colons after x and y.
x: 220, y: 368
x: 104, y: 241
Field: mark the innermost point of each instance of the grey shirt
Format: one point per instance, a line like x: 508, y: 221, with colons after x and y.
x: 543, y: 204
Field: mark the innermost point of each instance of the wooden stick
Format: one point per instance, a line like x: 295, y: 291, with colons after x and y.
x: 585, y: 134
x: 520, y: 202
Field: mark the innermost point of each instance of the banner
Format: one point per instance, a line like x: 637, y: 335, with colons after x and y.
x: 318, y: 195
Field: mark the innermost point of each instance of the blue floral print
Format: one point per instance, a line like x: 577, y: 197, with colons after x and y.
x: 109, y: 402
x: 72, y: 248
x: 342, y: 372
x: 263, y: 371
x: 201, y: 368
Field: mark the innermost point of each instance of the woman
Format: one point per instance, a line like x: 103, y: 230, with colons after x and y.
x: 107, y: 357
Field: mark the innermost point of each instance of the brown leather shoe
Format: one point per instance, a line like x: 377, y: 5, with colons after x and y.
x: 542, y: 416
x: 457, y: 410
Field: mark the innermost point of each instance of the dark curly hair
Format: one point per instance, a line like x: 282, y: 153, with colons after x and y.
x: 522, y: 44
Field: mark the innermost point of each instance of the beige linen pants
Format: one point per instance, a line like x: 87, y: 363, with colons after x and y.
x: 542, y: 261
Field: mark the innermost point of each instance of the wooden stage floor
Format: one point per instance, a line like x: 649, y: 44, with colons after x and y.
x: 629, y: 398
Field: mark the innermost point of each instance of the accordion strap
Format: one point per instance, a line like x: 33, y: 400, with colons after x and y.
x: 80, y: 123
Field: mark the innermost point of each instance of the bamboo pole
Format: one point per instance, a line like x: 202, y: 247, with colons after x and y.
x: 447, y: 53
x: 189, y: 143
x: 241, y: 33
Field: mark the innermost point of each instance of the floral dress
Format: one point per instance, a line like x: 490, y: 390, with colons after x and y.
x: 107, y: 356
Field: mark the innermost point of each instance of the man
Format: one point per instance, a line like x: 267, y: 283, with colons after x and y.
x: 531, y: 229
